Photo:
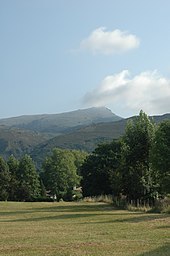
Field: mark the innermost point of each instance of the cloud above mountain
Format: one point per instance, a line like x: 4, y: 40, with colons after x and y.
x: 148, y: 91
x: 101, y: 41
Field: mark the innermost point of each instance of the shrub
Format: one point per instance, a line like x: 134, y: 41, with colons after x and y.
x: 102, y: 198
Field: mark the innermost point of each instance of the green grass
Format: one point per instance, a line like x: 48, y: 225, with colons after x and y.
x: 85, y: 229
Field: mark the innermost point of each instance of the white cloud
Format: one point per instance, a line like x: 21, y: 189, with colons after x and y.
x: 148, y: 91
x: 109, y: 42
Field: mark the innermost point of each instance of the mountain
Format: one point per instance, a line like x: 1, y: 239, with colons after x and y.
x: 56, y: 124
x: 160, y: 118
x: 82, y: 129
x: 17, y: 141
x: 87, y: 137
x: 84, y: 138
x: 20, y: 135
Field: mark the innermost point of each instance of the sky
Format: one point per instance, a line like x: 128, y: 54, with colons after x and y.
x: 62, y: 55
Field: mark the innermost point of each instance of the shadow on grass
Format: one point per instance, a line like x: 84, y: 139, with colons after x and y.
x: 15, y: 213
x: 164, y: 227
x: 73, y: 211
x: 68, y: 208
x: 161, y: 251
x: 144, y: 217
x: 76, y: 208
x: 48, y: 218
x: 58, y: 209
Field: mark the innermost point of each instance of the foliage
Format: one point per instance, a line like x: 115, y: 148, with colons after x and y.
x: 4, y: 180
x: 126, y: 167
x: 29, y: 184
x: 137, y: 180
x: 162, y: 206
x: 161, y: 156
x: 100, y: 170
x: 102, y: 198
x: 38, y: 135
x: 135, y: 168
x: 60, y: 174
x: 13, y: 165
x: 19, y: 180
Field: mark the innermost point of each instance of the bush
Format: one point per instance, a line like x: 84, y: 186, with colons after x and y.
x: 41, y: 199
x: 139, y: 208
x: 102, y: 198
x: 162, y: 206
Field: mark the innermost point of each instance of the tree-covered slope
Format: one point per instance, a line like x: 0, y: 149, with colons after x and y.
x: 81, y: 136
x: 87, y: 137
x: 17, y: 141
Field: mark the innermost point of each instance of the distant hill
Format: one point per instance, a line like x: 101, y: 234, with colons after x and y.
x: 19, y: 135
x: 18, y: 142
x: 56, y: 124
x: 84, y: 138
x: 160, y: 118
x: 88, y: 137
x: 82, y: 129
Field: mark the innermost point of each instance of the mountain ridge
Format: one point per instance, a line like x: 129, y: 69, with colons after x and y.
x: 88, y: 137
x: 58, y: 123
x: 83, y: 134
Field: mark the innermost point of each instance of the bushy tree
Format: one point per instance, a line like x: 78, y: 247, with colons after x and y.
x: 60, y: 174
x: 28, y: 178
x: 137, y: 180
x: 79, y: 158
x: 13, y: 165
x: 100, y: 170
x: 161, y: 156
x: 4, y: 180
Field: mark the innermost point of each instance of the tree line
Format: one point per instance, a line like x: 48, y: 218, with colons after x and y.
x: 21, y: 181
x: 136, y: 166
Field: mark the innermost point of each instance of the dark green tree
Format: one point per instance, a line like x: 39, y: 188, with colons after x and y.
x: 161, y: 156
x: 28, y: 178
x: 4, y: 180
x: 100, y: 170
x: 13, y: 165
x: 60, y: 174
x: 137, y: 179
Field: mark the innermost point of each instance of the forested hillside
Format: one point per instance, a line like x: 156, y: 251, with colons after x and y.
x: 80, y: 130
x: 18, y: 141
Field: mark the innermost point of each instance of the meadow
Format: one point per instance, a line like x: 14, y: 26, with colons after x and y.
x: 81, y: 228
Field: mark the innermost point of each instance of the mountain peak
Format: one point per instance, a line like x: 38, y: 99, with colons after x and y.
x: 57, y: 123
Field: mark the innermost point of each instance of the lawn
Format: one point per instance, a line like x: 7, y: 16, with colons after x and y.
x: 91, y: 229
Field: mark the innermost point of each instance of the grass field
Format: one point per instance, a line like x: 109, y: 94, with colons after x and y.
x: 91, y: 229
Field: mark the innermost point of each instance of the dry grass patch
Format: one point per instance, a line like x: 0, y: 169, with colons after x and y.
x: 86, y: 229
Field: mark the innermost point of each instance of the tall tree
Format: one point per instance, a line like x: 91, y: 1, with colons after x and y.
x: 161, y: 156
x: 60, y: 174
x: 79, y: 158
x: 29, y: 184
x: 100, y: 170
x: 13, y: 165
x: 137, y: 172
x: 4, y: 180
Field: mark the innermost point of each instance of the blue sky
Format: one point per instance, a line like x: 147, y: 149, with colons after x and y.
x: 62, y: 55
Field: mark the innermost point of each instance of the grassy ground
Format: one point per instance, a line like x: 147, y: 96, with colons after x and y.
x: 91, y: 229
